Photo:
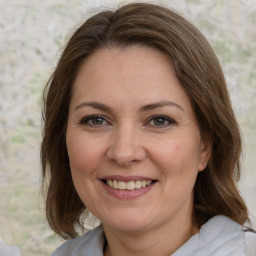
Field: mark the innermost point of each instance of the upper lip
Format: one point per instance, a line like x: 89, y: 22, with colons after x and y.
x: 125, y: 178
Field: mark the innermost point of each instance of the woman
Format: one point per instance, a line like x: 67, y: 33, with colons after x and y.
x: 139, y: 130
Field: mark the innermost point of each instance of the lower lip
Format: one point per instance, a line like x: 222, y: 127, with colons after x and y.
x: 127, y: 194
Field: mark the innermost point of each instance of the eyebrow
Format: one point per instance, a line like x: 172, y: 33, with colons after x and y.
x: 96, y: 105
x: 144, y: 108
x: 159, y: 105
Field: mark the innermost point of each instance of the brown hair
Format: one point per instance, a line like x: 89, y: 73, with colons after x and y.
x: 201, y: 76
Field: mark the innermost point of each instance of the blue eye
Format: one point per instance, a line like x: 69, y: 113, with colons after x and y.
x: 160, y: 120
x: 94, y: 120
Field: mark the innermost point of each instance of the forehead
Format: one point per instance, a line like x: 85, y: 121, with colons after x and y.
x: 128, y: 61
x: 136, y: 73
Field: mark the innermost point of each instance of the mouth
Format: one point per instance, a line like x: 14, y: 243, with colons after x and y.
x: 130, y: 185
x: 127, y: 187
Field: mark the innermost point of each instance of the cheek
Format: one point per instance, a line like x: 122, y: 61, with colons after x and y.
x: 83, y: 154
x: 84, y: 157
x: 177, y: 157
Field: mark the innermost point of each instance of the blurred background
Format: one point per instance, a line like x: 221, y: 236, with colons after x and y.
x: 32, y: 36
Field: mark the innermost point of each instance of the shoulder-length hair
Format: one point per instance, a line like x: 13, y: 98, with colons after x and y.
x: 201, y: 76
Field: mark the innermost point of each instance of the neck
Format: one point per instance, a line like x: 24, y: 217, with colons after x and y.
x: 162, y: 241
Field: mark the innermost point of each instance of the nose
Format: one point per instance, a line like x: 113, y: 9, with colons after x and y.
x: 126, y: 146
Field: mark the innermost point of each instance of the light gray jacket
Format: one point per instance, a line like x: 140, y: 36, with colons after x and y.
x: 220, y: 236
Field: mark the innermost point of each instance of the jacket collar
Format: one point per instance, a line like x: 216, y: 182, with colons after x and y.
x: 220, y: 236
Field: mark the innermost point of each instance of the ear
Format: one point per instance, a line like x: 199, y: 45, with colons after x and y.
x: 204, y: 154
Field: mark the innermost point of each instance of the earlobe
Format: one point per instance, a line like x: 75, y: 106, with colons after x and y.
x: 205, y: 151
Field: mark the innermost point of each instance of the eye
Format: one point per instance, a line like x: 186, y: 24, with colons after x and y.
x: 160, y: 120
x: 94, y: 120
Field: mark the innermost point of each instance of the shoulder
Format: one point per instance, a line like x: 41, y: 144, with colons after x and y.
x: 5, y: 249
x: 91, y: 243
x: 220, y: 236
x: 250, y: 242
x: 237, y: 236
x: 250, y: 236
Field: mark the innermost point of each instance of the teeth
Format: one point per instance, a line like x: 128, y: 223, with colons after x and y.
x: 131, y: 185
x: 121, y: 185
x: 148, y: 182
x: 115, y: 184
x: 138, y: 184
x: 110, y: 183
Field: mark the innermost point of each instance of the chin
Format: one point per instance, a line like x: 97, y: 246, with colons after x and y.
x: 127, y: 224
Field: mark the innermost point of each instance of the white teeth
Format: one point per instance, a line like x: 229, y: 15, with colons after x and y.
x: 144, y: 183
x: 115, y: 184
x: 149, y: 182
x: 138, y: 184
x: 121, y: 185
x: 110, y: 183
x: 130, y: 185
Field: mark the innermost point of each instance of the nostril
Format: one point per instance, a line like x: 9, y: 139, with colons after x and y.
x: 126, y: 149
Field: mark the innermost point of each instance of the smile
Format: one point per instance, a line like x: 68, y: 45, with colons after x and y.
x: 127, y: 187
x: 130, y: 185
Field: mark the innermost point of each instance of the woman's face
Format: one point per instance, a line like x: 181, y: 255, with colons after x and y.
x: 133, y: 140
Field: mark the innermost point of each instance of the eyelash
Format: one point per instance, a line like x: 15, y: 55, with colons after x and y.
x: 164, y: 118
x: 86, y: 120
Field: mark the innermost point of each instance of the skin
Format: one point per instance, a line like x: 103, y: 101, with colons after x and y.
x: 127, y: 139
